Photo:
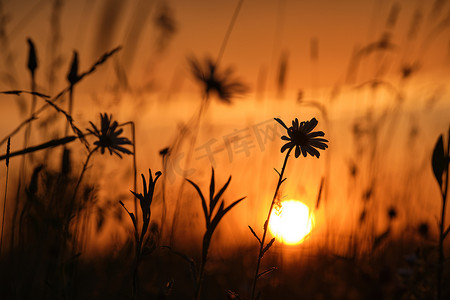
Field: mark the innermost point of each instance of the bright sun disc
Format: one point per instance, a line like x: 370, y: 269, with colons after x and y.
x: 292, y: 222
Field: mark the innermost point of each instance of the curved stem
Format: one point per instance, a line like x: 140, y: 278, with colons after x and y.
x: 266, y: 223
x: 82, y: 173
x: 133, y: 136
x: 229, y: 30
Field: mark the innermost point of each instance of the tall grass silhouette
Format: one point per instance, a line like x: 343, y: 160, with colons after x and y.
x: 212, y: 221
x: 304, y: 141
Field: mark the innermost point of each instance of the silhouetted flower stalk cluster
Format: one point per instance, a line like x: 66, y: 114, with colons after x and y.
x: 305, y: 141
x: 108, y: 138
x: 145, y: 201
x: 52, y: 102
x: 213, y: 82
x: 211, y: 221
x: 440, y: 164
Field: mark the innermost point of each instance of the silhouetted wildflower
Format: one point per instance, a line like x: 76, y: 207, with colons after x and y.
x: 108, y: 136
x: 214, y: 81
x: 302, y: 138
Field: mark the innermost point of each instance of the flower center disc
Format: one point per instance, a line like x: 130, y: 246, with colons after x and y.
x: 292, y: 222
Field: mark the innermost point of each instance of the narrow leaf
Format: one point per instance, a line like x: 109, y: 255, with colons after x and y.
x: 438, y: 160
x: 232, y: 205
x: 8, y: 151
x: 211, y: 192
x: 267, y: 247
x: 133, y: 219
x: 215, y: 221
x: 205, y: 208
x: 144, y: 183
x: 268, y: 271
x: 277, y: 172
x: 137, y: 195
x: 50, y: 144
x: 379, y: 239
x: 446, y: 231
x: 219, y: 194
x: 281, y: 123
x: 320, y: 193
x: 19, y: 92
x: 254, y: 234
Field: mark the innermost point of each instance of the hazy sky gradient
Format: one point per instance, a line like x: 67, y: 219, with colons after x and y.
x: 264, y: 29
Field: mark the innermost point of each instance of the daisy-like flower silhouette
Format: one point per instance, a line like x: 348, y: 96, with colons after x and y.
x: 217, y: 82
x: 108, y: 136
x: 302, y: 138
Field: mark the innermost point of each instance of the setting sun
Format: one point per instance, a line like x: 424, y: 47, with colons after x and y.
x: 292, y: 222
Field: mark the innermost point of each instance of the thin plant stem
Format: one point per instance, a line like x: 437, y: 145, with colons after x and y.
x: 6, y: 192
x: 133, y: 136
x: 76, y: 235
x: 33, y: 108
x: 196, y: 120
x: 82, y: 173
x: 164, y: 206
x: 442, y: 233
x: 229, y: 30
x: 206, y: 243
x: 266, y: 223
x: 26, y: 139
x: 70, y: 108
x: 135, y: 270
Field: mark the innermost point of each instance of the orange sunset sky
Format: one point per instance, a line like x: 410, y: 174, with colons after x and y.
x: 263, y: 31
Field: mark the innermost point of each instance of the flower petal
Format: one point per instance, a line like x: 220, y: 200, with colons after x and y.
x: 304, y: 151
x: 312, y: 151
x: 310, y: 125
x: 123, y: 150
x: 281, y: 123
x: 285, y: 138
x: 320, y: 140
x: 315, y: 134
x: 297, y: 151
x: 318, y: 145
x: 287, y: 146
